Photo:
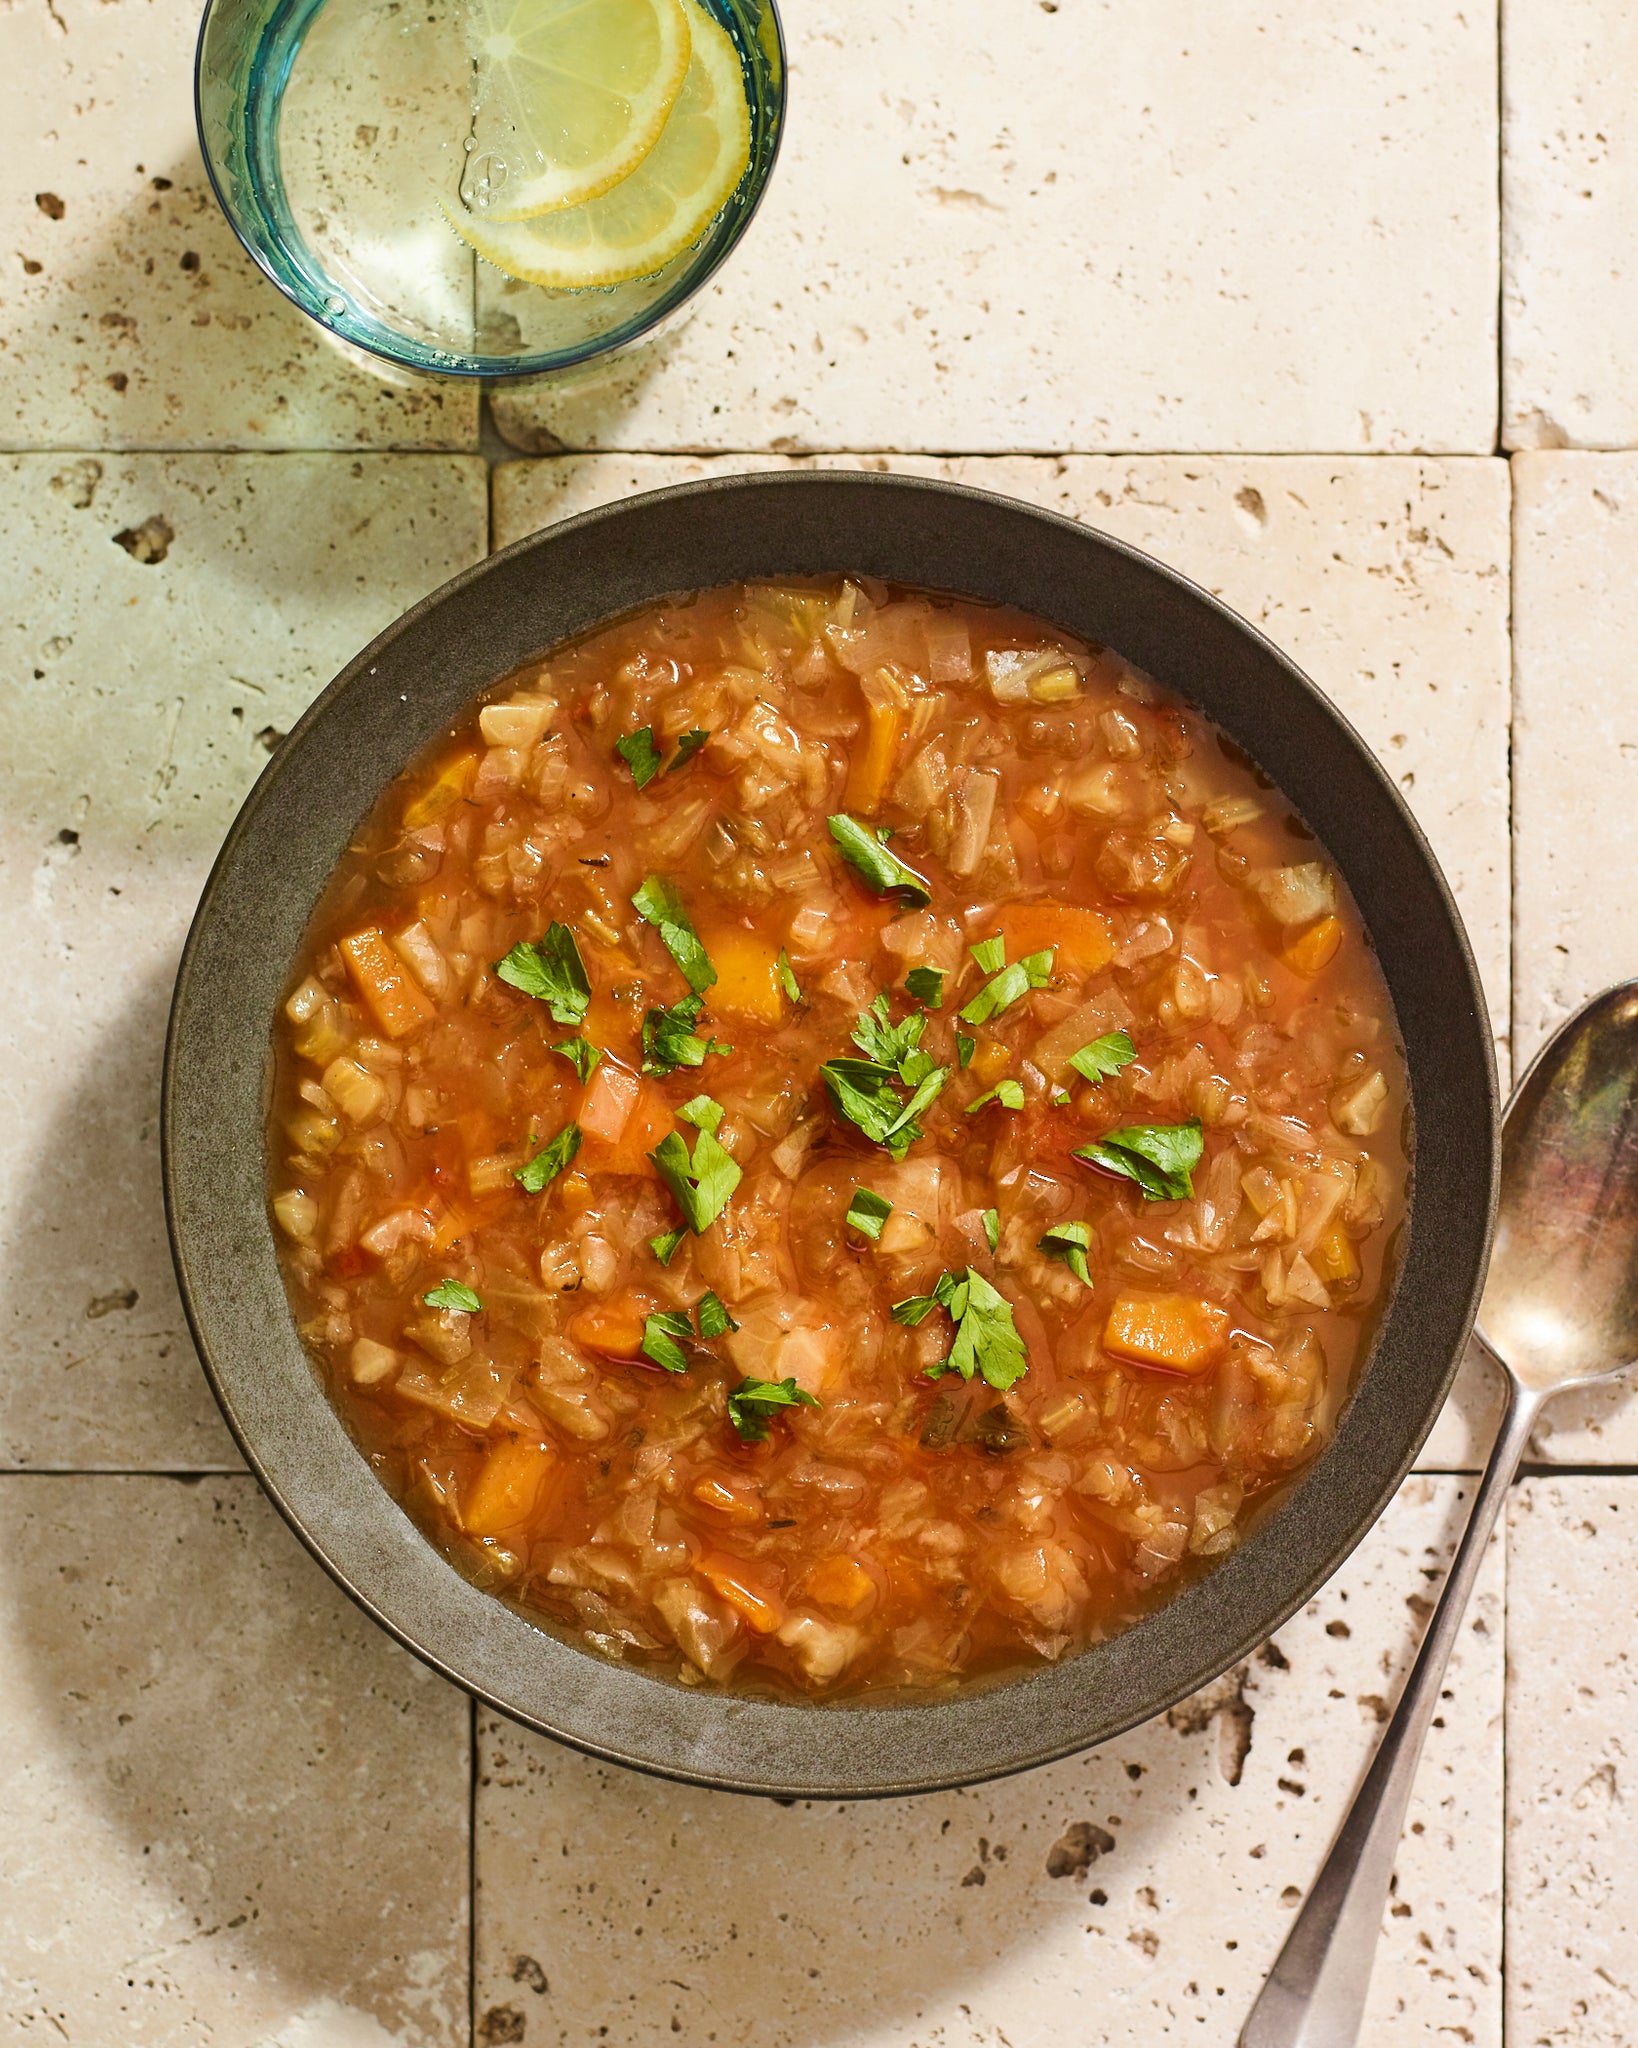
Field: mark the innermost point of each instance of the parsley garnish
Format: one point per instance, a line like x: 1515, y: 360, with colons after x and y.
x: 753, y: 1401
x: 453, y: 1294
x: 664, y: 1336
x: 687, y: 747
x: 926, y: 984
x: 551, y: 970
x: 1060, y: 1099
x: 866, y: 852
x: 992, y: 1228
x: 1159, y: 1157
x: 991, y: 955
x: 1009, y: 1093
x: 964, y: 1049
x: 787, y: 977
x: 660, y: 904
x: 702, y: 1184
x: 886, y: 1043
x: 670, y: 1041
x: 550, y: 1160
x: 866, y: 1092
x: 1104, y: 1056
x: 640, y: 755
x: 1003, y: 989
x: 664, y: 1247
x: 1069, y: 1243
x: 867, y: 1212
x: 714, y: 1320
x: 581, y: 1054
x: 986, y: 1338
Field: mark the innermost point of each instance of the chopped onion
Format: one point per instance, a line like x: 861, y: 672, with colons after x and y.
x: 974, y: 808
x: 1294, y: 895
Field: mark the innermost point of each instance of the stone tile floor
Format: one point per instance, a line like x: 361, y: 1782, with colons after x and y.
x: 1225, y: 282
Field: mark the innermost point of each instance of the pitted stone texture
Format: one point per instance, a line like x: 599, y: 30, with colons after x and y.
x: 132, y: 318
x: 1569, y: 224
x: 997, y: 225
x: 236, y: 1814
x: 1572, y: 1705
x: 1135, y: 1895
x: 1575, y: 771
x: 1387, y: 578
x: 165, y: 621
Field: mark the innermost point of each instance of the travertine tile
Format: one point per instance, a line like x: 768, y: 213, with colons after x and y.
x: 1026, y: 226
x: 1133, y: 1895
x: 1570, y: 219
x: 1572, y: 1701
x: 1385, y: 577
x: 236, y: 1814
x: 131, y: 317
x: 164, y: 620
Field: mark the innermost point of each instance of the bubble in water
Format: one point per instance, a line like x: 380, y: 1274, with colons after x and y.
x: 335, y: 304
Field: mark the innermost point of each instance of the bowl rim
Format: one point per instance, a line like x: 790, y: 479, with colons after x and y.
x: 322, y: 1486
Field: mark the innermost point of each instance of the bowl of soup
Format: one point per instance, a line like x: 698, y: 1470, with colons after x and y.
x: 827, y: 1135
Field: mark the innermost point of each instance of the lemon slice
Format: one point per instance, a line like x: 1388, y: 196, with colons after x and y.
x: 571, y: 96
x: 664, y: 206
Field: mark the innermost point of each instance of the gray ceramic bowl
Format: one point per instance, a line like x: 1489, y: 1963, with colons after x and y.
x: 416, y: 677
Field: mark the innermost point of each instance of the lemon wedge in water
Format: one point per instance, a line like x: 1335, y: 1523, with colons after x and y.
x: 663, y: 207
x: 571, y: 96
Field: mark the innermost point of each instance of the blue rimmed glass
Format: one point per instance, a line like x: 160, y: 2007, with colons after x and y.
x: 470, y: 321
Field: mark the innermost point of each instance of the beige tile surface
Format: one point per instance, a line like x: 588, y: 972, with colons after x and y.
x: 1002, y: 225
x: 1134, y: 1895
x: 235, y: 1813
x: 1572, y: 1700
x: 1386, y: 578
x: 163, y: 620
x: 1570, y: 196
x: 130, y: 316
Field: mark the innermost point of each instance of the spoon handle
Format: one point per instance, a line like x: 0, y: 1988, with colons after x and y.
x: 1315, y: 1993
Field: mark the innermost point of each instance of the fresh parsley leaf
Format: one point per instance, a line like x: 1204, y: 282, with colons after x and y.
x: 551, y: 970
x: 878, y: 869
x: 702, y: 1113
x: 703, y: 1184
x: 664, y: 1336
x: 1104, y: 1056
x: 753, y: 1401
x: 640, y: 755
x: 663, y: 908
x: 670, y: 1040
x: 687, y: 747
x: 581, y: 1054
x: 664, y: 1247
x: 787, y: 977
x: 1060, y: 1099
x: 1159, y: 1157
x: 991, y: 955
x: 926, y: 984
x: 986, y: 1337
x: 964, y: 1049
x: 453, y: 1294
x: 992, y: 1228
x: 886, y: 1043
x: 903, y: 1132
x: 1069, y: 1243
x: 867, y: 1212
x: 865, y: 1093
x: 550, y: 1160
x: 1009, y: 1093
x: 1003, y: 989
x: 916, y: 1308
x: 713, y: 1319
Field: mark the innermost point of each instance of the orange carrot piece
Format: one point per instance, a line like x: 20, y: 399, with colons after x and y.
x: 381, y: 978
x: 453, y: 781
x: 1315, y: 949
x: 1082, y: 937
x: 1177, y: 1332
x: 647, y: 1124
x: 747, y: 977
x: 840, y: 1584
x: 872, y: 763
x: 733, y: 1580
x: 613, y: 1329
x: 722, y: 1498
x: 507, y: 1490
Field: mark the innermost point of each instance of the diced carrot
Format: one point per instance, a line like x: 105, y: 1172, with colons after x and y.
x: 840, y: 1584
x: 736, y: 1583
x: 613, y: 1329
x: 747, y: 976
x: 1315, y: 949
x: 989, y: 1062
x: 611, y: 1026
x: 607, y: 1101
x: 723, y: 1498
x: 1082, y: 937
x: 646, y: 1124
x: 382, y: 979
x: 1177, y: 1331
x: 1334, y: 1258
x: 508, y: 1488
x: 453, y: 1224
x: 574, y: 1194
x: 453, y: 782
x: 872, y: 761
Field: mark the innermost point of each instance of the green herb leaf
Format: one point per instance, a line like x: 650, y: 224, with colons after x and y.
x: 703, y: 1184
x: 991, y: 955
x: 581, y: 1054
x: 753, y: 1401
x: 550, y: 1160
x: 713, y: 1319
x: 551, y: 970
x: 992, y: 1228
x: 640, y: 755
x: 916, y: 1308
x: 867, y: 1212
x: 1104, y: 1056
x: 1069, y: 1243
x: 1159, y: 1157
x: 886, y: 1043
x: 664, y: 1336
x: 878, y: 869
x: 865, y: 1094
x: 1060, y: 1100
x: 1004, y: 989
x: 787, y: 977
x: 453, y: 1294
x: 986, y: 1338
x: 670, y: 1041
x: 1009, y: 1093
x: 687, y: 747
x: 964, y: 1049
x: 926, y: 984
x: 664, y: 1247
x: 904, y: 1130
x: 663, y: 908
x: 703, y: 1113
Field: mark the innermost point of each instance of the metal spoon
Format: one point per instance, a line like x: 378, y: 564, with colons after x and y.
x: 1560, y: 1309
